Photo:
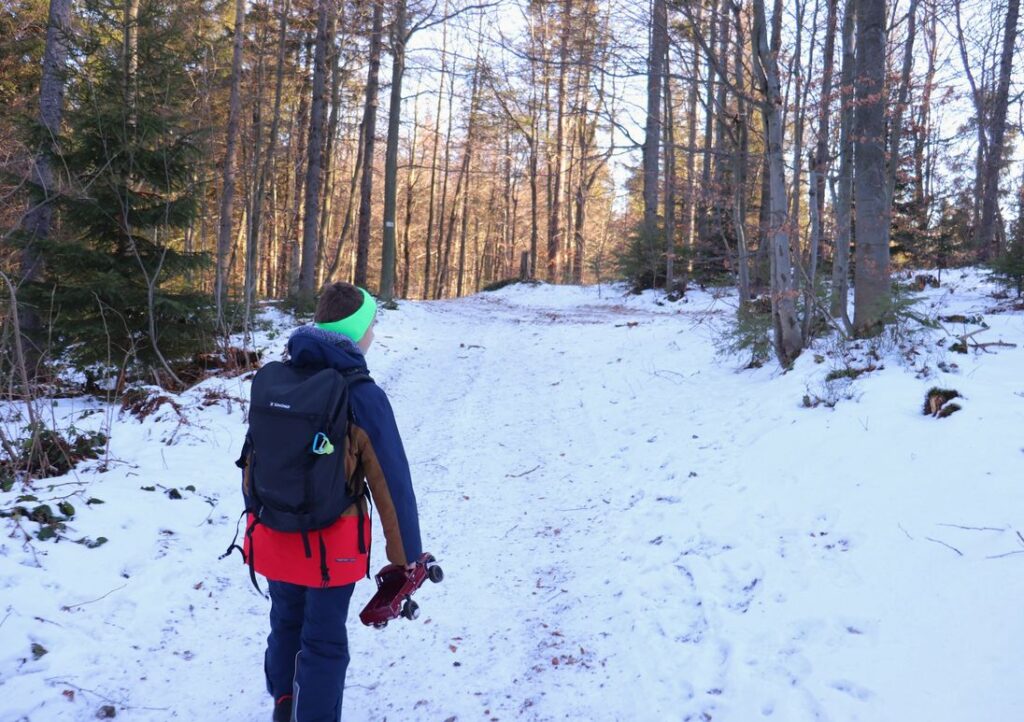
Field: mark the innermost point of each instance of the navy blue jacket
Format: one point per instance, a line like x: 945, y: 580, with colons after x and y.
x: 373, y: 439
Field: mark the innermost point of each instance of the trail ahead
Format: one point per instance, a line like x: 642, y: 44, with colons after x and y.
x: 630, y: 529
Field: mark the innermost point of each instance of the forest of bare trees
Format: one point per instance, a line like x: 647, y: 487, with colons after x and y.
x: 168, y: 166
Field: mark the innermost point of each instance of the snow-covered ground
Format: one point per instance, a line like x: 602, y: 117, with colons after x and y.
x: 631, y: 529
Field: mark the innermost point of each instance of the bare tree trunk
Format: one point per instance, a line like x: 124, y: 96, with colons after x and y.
x: 871, y: 285
x: 398, y: 39
x: 462, y: 185
x: 988, y: 239
x: 555, y: 216
x: 265, y: 170
x: 981, y: 106
x: 507, y: 235
x: 228, y: 191
x: 410, y: 186
x: 38, y: 221
x: 922, y: 128
x: 844, y: 206
x: 798, y: 129
x: 691, y: 150
x: 369, y: 136
x: 719, y: 188
x: 819, y: 167
x: 311, y: 216
x: 350, y: 205
x: 443, y: 241
x: 533, y: 140
x: 427, y: 278
x: 252, y: 163
x: 704, y: 231
x: 329, y: 159
x: 652, y: 135
x: 740, y: 163
x: 670, y: 183
x: 896, y: 130
x: 131, y: 63
x: 462, y: 242
x: 291, y: 250
x: 788, y: 338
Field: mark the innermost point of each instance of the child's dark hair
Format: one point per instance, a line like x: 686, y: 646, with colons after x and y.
x: 337, y: 301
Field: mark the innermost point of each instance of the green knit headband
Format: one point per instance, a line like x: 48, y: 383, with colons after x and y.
x: 356, y: 325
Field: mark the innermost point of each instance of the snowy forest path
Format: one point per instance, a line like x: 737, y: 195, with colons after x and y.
x: 536, y: 469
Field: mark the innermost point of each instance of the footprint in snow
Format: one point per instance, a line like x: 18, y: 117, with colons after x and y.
x: 852, y: 689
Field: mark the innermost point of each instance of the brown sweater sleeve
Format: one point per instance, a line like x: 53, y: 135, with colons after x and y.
x: 381, y: 495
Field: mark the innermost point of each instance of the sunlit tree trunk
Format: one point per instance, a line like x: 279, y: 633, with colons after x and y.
x: 228, y: 189
x: 369, y: 137
x: 788, y: 337
x: 388, y: 253
x: 988, y: 239
x: 311, y: 215
x: 844, y: 204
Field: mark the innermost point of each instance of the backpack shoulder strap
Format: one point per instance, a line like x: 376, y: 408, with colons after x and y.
x: 243, y: 459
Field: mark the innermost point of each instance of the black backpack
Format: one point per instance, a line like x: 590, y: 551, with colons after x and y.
x: 293, y: 458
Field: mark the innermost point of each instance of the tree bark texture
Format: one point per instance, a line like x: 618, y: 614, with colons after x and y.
x: 369, y: 136
x: 819, y: 167
x: 844, y: 204
x: 788, y: 337
x: 896, y: 130
x: 315, y: 148
x: 38, y: 220
x: 228, y: 193
x: 873, y: 213
x: 988, y: 239
x: 388, y: 252
x: 652, y: 134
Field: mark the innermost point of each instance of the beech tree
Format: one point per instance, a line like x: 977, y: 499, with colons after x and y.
x: 873, y: 211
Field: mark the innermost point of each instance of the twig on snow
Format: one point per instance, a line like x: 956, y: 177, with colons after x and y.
x: 51, y: 487
x: 973, y: 528
x: 517, y: 476
x: 1006, y: 554
x: 999, y: 344
x: 82, y: 604
x: 905, y: 532
x: 63, y: 682
x: 552, y: 597
x: 939, y: 541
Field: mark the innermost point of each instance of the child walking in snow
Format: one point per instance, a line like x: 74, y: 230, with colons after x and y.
x: 312, y: 571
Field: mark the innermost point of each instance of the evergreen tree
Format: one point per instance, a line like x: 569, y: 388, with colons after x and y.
x: 948, y: 242
x: 1009, y: 267
x: 114, y: 280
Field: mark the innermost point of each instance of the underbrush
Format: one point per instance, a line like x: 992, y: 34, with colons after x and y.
x: 42, y: 452
x: 919, y: 335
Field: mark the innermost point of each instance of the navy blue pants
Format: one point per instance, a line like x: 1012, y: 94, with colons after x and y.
x: 307, y: 650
